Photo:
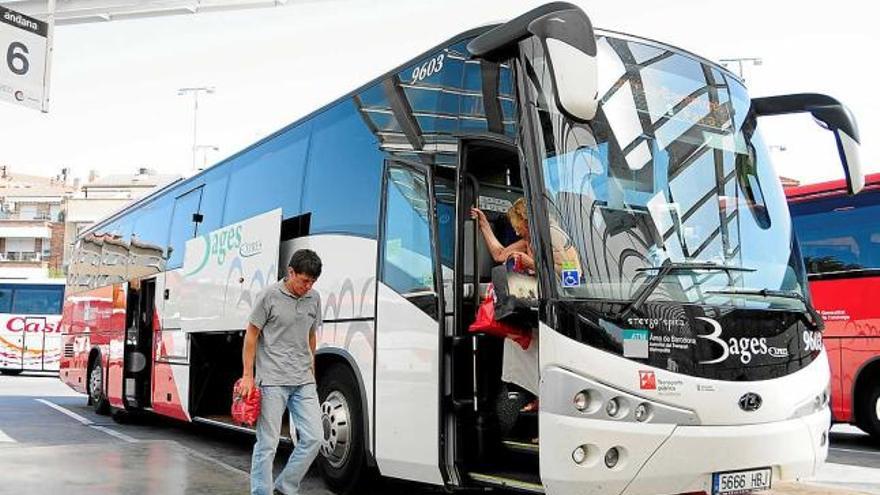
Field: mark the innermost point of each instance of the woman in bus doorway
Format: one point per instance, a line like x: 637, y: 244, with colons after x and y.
x: 520, y: 366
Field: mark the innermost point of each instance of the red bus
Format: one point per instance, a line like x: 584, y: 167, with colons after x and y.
x: 839, y: 238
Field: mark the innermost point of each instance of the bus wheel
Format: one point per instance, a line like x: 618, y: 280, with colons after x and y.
x: 342, y: 458
x: 869, y: 413
x: 10, y: 372
x: 96, y: 388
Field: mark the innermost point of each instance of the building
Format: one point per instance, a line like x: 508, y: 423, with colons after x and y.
x: 31, y: 228
x: 125, y: 186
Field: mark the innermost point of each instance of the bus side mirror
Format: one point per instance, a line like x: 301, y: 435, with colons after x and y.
x: 830, y: 114
x: 570, y: 48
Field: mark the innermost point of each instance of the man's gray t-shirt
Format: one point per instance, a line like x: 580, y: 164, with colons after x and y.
x: 283, y: 353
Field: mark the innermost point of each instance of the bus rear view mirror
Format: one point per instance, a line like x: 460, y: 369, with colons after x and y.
x: 830, y: 114
x: 569, y: 44
x: 570, y: 48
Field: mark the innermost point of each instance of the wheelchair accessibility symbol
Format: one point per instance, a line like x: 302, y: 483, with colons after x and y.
x: 571, y: 278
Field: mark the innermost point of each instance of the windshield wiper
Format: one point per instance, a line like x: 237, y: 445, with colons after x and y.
x: 786, y: 294
x: 665, y: 269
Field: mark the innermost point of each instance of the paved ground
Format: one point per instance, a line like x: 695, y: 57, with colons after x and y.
x: 48, y: 433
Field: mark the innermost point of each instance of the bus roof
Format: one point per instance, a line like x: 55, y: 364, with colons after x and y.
x: 827, y: 189
x: 182, y: 184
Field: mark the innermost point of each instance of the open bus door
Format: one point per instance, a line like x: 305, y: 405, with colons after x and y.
x: 138, y: 357
x: 410, y: 328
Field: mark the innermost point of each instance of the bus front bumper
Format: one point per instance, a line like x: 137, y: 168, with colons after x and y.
x: 670, y: 459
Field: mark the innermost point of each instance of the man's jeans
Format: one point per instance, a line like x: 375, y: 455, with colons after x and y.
x: 305, y: 416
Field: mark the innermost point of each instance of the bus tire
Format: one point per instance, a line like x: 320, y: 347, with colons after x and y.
x: 95, y: 381
x: 10, y: 372
x: 342, y: 457
x: 869, y: 413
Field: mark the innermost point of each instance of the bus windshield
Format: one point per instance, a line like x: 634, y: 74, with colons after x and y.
x: 671, y: 171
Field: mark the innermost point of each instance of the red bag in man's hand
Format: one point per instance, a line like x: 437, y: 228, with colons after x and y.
x: 245, y: 411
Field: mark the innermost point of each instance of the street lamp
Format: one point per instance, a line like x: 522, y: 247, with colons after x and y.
x: 205, y: 149
x: 739, y: 63
x: 195, y: 93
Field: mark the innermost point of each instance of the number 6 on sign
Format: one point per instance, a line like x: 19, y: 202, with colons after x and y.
x: 24, y: 46
x: 15, y: 58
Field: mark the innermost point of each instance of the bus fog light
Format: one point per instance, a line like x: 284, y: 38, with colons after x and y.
x: 611, y: 457
x: 643, y: 411
x: 612, y: 407
x: 581, y: 401
x: 579, y: 455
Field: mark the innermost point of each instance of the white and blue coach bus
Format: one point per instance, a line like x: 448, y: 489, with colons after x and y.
x: 680, y: 352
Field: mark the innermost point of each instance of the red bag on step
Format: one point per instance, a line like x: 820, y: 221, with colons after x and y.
x: 245, y: 411
x: 486, y: 323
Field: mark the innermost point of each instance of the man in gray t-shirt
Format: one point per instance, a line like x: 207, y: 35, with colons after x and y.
x: 280, y: 338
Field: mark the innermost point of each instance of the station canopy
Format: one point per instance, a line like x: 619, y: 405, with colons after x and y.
x: 90, y: 11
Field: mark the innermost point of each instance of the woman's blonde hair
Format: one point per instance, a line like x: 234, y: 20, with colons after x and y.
x: 517, y: 214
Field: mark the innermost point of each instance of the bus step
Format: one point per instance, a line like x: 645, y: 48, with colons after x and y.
x: 521, y: 447
x: 512, y: 481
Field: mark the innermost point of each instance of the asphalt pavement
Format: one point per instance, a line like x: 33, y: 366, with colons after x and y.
x: 50, y: 437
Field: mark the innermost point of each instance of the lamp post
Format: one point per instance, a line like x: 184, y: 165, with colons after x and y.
x: 195, y: 94
x: 739, y: 63
x: 205, y: 149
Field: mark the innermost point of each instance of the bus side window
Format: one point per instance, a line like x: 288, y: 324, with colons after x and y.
x: 266, y: 177
x: 211, y: 208
x: 37, y: 301
x: 5, y: 300
x: 344, y: 162
x: 182, y: 226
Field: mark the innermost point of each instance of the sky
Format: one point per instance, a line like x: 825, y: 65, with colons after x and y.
x: 114, y: 104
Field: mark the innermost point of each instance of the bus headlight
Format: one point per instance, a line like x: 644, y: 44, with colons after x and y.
x: 612, y: 407
x: 817, y: 403
x: 611, y: 457
x: 581, y: 401
x: 579, y: 455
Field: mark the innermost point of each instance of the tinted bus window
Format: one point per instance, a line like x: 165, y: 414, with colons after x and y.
x: 37, y: 301
x: 182, y: 226
x: 268, y: 177
x: 151, y: 224
x: 408, y: 262
x: 342, y: 181
x: 5, y: 300
x: 213, y: 201
x: 836, y: 235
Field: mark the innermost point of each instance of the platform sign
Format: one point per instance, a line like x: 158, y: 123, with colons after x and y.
x: 25, y: 43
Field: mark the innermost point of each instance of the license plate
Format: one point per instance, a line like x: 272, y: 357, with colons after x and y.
x: 741, y: 481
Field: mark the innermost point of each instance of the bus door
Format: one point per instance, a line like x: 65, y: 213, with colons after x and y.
x: 408, y: 328
x: 138, y: 358
x: 34, y: 347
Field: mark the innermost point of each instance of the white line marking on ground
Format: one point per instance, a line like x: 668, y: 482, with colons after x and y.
x: 4, y: 438
x: 215, y: 461
x: 114, y: 433
x: 857, y: 451
x: 88, y: 422
x: 62, y: 410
